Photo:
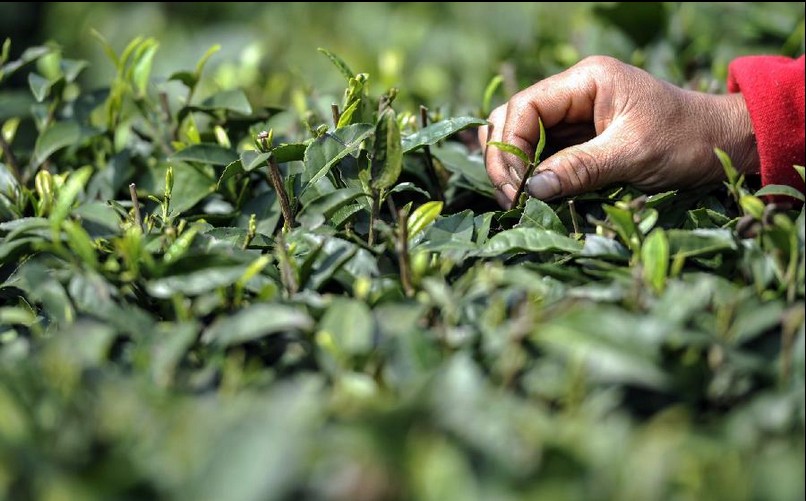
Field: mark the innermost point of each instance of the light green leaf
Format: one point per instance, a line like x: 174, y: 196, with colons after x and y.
x: 655, y: 259
x: 727, y: 165
x: 141, y: 67
x: 338, y: 63
x: 439, y: 131
x: 781, y: 190
x: 422, y: 217
x: 489, y: 92
x: 67, y: 194
x: 206, y: 57
x: 510, y: 148
x: 624, y: 224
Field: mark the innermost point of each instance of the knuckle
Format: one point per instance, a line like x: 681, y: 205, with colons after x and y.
x: 583, y: 171
x: 520, y: 102
x: 498, y: 114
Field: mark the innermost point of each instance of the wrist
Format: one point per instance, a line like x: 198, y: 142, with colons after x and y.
x: 734, y: 133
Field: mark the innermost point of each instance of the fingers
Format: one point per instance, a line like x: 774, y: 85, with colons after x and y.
x: 584, y: 167
x: 566, y: 98
x: 505, y: 189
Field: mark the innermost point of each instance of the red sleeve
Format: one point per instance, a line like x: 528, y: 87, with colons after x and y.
x: 773, y: 88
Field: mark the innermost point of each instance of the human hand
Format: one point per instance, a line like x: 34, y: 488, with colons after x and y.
x: 608, y: 122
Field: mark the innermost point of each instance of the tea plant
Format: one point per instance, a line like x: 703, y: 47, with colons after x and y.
x: 206, y: 298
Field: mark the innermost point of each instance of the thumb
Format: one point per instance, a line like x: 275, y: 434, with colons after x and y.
x: 579, y: 168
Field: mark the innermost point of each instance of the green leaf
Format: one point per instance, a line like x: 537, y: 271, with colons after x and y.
x: 439, y: 131
x: 71, y: 68
x: 338, y: 63
x: 387, y: 161
x: 229, y: 100
x: 195, y: 283
x: 541, y: 143
x: 329, y: 203
x: 519, y: 240
x: 186, y: 77
x: 251, y: 160
x: 107, y: 48
x: 700, y: 241
x: 232, y: 170
x: 191, y: 185
x: 727, y: 165
x: 512, y: 149
x: 206, y: 57
x: 422, y: 217
x: 538, y: 214
x: 468, y: 170
x: 624, y: 224
x: 655, y: 259
x: 752, y: 205
x: 141, y: 67
x: 327, y: 150
x: 781, y: 190
x: 289, y: 152
x: 40, y: 86
x: 346, y: 116
x: 59, y: 135
x: 454, y: 232
x: 489, y: 91
x: 68, y: 193
x: 613, y: 345
x: 205, y: 153
x: 604, y: 248
x: 349, y: 323
x: 255, y: 322
x: 801, y: 170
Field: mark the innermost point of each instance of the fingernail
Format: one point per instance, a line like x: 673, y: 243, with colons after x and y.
x: 545, y: 185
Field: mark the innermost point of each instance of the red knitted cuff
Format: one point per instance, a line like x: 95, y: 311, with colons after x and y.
x: 773, y: 88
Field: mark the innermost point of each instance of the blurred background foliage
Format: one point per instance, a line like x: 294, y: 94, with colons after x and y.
x: 442, y: 53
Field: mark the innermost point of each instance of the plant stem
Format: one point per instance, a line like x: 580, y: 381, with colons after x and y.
x: 403, y: 252
x: 334, y: 108
x: 138, y: 219
x: 574, y: 218
x: 429, y: 161
x: 166, y: 109
x: 530, y: 167
x: 373, y: 215
x: 286, y: 273
x: 11, y: 160
x: 277, y: 182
